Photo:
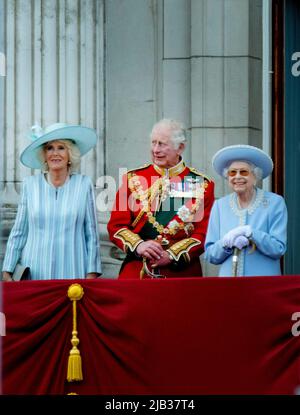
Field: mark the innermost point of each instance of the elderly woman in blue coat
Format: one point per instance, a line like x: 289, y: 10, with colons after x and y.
x: 247, y: 229
x: 55, y: 232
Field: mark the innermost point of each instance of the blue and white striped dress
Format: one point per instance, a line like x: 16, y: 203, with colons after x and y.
x: 55, y: 232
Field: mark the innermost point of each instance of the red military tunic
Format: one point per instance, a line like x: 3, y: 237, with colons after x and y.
x: 172, y: 204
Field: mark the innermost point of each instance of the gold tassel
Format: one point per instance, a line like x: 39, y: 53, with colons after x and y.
x: 142, y: 271
x: 75, y: 293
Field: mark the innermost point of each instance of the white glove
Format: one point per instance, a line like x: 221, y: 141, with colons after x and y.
x: 240, y: 242
x: 229, y: 238
x: 245, y: 230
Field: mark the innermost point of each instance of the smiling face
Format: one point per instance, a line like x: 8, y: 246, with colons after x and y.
x: 163, y: 152
x: 56, y: 155
x: 240, y: 177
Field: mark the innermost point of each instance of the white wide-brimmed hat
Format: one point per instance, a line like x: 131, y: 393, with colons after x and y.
x: 85, y: 138
x: 242, y: 152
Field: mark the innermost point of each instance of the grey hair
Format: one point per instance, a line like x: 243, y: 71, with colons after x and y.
x: 74, y: 154
x: 257, y: 171
x: 178, y: 135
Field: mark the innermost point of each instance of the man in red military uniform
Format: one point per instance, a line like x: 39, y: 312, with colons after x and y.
x: 161, y: 211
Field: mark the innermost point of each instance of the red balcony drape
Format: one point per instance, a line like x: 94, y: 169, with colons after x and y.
x: 176, y: 336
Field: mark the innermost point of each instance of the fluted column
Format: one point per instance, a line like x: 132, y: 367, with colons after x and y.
x: 2, y: 79
x: 54, y: 52
x: 54, y: 73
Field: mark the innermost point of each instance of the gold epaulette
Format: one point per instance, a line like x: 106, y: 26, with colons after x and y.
x: 199, y: 173
x: 139, y: 168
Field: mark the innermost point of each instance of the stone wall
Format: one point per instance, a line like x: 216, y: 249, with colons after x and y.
x: 120, y: 65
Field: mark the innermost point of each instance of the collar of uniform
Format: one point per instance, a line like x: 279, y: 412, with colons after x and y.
x: 173, y: 171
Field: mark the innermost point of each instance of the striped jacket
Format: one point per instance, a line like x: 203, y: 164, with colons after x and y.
x: 55, y: 231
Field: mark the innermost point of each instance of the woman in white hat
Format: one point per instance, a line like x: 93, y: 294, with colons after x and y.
x: 55, y: 232
x: 247, y: 229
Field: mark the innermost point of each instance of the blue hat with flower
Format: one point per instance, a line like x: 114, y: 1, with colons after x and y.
x: 85, y: 138
x: 242, y: 152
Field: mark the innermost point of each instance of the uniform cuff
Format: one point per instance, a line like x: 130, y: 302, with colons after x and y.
x: 182, y: 248
x: 129, y: 239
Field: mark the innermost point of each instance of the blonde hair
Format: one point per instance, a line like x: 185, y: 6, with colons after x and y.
x: 73, y: 150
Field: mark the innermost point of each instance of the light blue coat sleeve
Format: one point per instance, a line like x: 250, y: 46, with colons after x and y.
x: 273, y: 243
x: 18, y: 235
x: 214, y: 251
x: 92, y: 234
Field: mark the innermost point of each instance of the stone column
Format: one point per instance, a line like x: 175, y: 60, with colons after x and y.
x: 226, y: 74
x: 225, y: 77
x: 54, y: 53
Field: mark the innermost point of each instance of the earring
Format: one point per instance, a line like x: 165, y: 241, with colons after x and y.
x: 69, y: 163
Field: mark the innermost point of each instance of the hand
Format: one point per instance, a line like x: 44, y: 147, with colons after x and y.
x: 151, y: 250
x: 6, y: 276
x: 229, y: 238
x: 245, y: 230
x: 162, y: 262
x: 241, y: 242
x: 91, y: 275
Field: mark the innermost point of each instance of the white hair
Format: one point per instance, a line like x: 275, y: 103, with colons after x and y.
x: 257, y: 171
x: 176, y: 128
x: 73, y: 150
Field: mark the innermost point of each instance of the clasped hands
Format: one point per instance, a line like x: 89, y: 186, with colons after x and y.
x: 153, y: 251
x: 237, y: 237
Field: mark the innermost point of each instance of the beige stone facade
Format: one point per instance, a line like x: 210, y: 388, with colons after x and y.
x: 120, y: 65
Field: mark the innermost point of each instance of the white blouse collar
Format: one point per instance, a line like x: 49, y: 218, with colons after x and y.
x: 251, y: 208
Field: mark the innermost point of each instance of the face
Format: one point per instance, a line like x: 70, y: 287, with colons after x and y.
x: 163, y: 152
x: 56, y: 155
x: 240, y: 177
